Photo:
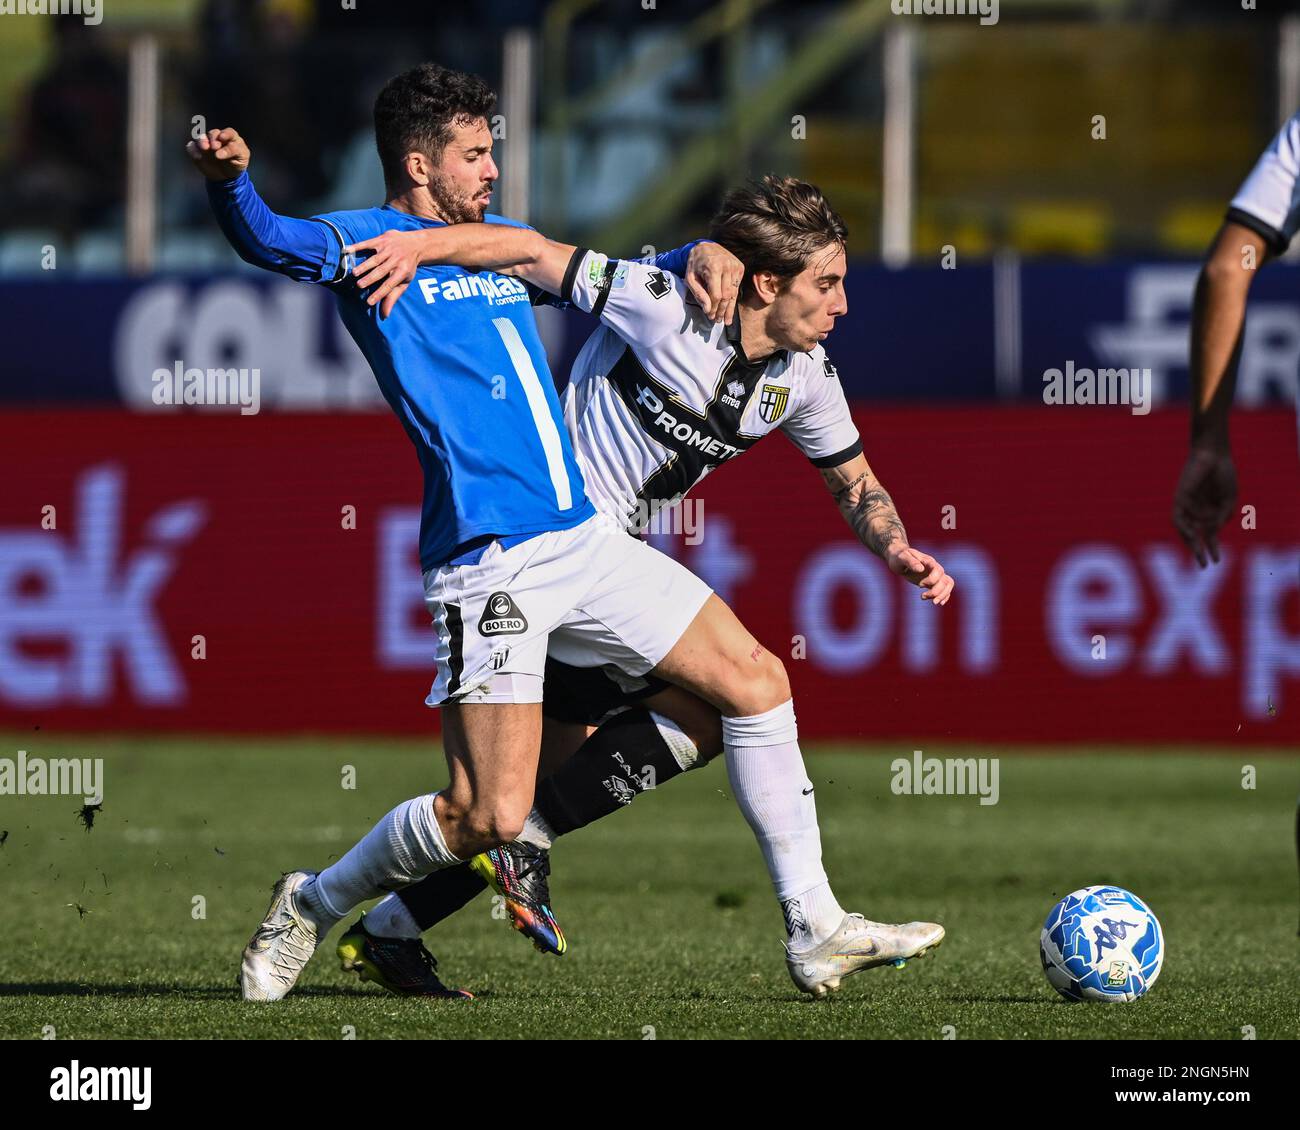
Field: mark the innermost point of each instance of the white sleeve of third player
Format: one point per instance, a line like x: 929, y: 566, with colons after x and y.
x: 638, y: 301
x: 822, y: 426
x: 1269, y: 201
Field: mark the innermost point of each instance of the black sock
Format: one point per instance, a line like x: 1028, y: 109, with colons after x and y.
x: 441, y: 894
x: 624, y: 757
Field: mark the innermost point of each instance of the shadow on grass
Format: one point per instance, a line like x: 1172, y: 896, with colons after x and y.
x: 183, y: 992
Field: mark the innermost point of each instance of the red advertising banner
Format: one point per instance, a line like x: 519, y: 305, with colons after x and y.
x: 198, y: 572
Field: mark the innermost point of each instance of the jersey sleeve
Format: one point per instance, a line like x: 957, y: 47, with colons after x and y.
x: 1269, y: 201
x: 306, y: 250
x: 675, y: 261
x: 638, y: 301
x: 822, y: 426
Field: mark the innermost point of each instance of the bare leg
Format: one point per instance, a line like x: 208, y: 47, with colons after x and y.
x: 492, y: 755
x: 718, y: 659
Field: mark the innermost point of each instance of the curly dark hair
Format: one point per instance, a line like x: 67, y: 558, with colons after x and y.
x: 416, y: 110
x: 776, y: 224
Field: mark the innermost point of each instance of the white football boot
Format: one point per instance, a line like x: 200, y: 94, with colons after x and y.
x: 282, y: 945
x: 859, y: 944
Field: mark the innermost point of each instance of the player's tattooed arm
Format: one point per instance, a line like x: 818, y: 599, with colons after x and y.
x: 871, y: 513
x: 866, y: 505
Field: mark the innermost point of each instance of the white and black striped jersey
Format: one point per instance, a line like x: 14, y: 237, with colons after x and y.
x: 659, y: 396
x: 1268, y: 202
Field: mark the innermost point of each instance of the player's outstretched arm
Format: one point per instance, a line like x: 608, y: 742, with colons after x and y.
x: 1207, y: 488
x: 302, y: 249
x: 712, y: 273
x: 871, y: 514
x: 394, y: 257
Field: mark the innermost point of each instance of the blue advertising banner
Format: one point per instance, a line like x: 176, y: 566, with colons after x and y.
x: 1005, y: 331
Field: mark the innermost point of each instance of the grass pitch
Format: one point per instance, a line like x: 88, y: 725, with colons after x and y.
x: 133, y: 929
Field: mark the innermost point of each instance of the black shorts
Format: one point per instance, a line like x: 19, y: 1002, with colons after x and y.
x: 586, y: 694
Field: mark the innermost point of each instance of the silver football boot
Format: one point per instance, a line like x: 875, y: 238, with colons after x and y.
x: 859, y: 944
x: 282, y: 945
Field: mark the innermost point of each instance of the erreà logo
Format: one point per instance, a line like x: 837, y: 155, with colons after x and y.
x: 501, y: 617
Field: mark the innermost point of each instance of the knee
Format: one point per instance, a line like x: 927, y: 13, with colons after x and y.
x: 489, y: 822
x: 759, y: 686
x: 493, y: 825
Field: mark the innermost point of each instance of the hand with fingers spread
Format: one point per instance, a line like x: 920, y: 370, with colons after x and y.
x: 220, y: 154
x: 713, y: 276
x: 921, y: 570
x: 1204, y: 500
x: 394, y: 258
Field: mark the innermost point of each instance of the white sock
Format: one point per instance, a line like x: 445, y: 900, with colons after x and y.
x: 810, y: 918
x: 767, y: 776
x: 404, y: 847
x: 389, y: 918
x: 537, y: 832
x: 684, y: 751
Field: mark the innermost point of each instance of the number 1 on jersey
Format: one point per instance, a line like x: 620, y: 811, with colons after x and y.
x: 549, y: 434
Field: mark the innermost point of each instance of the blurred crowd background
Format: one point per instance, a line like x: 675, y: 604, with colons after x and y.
x: 640, y: 117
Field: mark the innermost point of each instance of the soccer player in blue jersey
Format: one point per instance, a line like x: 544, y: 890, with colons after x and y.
x: 513, y: 560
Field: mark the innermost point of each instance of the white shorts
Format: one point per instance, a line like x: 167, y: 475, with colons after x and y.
x: 592, y: 595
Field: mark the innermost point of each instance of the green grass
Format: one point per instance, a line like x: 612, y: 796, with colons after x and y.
x: 671, y: 921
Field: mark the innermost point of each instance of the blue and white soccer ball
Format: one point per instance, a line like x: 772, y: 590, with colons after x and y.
x: 1101, y: 944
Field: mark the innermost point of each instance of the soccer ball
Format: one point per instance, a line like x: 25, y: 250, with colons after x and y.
x: 1101, y: 944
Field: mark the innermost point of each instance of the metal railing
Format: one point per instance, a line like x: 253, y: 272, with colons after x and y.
x: 712, y: 155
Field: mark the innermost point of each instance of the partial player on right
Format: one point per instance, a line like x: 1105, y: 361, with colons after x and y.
x: 1262, y: 220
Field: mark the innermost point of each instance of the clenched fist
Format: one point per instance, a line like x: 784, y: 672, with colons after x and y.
x: 220, y: 154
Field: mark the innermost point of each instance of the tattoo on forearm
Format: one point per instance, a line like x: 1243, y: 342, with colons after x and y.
x: 869, y: 510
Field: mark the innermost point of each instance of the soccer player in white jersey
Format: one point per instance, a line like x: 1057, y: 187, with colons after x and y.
x: 657, y: 398
x: 1262, y: 220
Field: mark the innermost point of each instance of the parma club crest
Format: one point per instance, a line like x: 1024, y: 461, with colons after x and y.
x: 772, y: 404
